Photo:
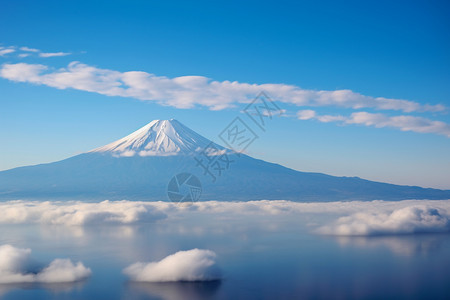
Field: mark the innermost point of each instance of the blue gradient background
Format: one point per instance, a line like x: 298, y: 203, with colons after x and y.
x: 378, y: 48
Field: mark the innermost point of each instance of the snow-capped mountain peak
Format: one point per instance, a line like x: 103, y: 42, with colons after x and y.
x: 158, y: 138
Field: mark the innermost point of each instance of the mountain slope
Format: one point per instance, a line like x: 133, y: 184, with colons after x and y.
x: 139, y: 167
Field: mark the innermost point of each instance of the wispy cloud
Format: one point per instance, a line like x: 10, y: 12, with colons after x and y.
x: 6, y: 50
x: 379, y: 120
x: 26, y: 49
x: 189, y: 91
x: 22, y: 52
x: 54, y: 54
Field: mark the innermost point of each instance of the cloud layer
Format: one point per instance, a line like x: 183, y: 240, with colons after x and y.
x: 14, y: 263
x: 189, y: 91
x: 77, y: 213
x: 191, y: 265
x: 407, y: 220
x: 352, y: 218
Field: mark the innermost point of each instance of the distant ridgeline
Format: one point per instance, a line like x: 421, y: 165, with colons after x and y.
x: 140, y: 166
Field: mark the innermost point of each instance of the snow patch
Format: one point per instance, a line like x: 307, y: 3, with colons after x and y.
x: 159, y: 138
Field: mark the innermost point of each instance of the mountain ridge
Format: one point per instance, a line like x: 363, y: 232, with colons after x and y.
x: 120, y: 170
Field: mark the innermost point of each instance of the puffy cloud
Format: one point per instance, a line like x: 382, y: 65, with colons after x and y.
x: 407, y: 220
x: 14, y: 263
x: 189, y: 91
x: 402, y: 122
x: 191, y: 265
x: 63, y: 270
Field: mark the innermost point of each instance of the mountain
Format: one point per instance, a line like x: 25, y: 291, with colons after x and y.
x: 141, y: 165
x: 158, y: 138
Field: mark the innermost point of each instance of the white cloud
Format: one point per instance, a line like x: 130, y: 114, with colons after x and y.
x: 378, y: 120
x: 26, y: 49
x: 328, y: 118
x: 53, y: 54
x: 404, y: 123
x: 63, y: 270
x: 407, y: 220
x: 306, y: 114
x: 191, y: 265
x: 189, y: 91
x: 77, y: 213
x: 14, y: 263
x: 6, y: 50
x: 71, y: 213
x: 22, y: 72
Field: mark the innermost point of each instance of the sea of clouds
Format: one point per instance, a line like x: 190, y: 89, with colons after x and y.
x: 332, y: 218
x: 342, y: 218
x: 15, y: 267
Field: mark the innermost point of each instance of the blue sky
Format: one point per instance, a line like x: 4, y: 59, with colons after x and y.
x: 378, y: 52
